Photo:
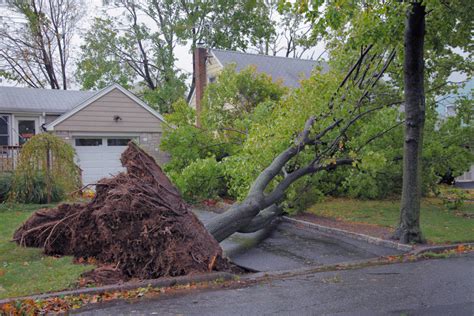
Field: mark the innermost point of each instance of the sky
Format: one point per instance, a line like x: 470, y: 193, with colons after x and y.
x: 94, y: 8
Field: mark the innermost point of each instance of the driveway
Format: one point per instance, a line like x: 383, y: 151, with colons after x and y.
x: 291, y: 247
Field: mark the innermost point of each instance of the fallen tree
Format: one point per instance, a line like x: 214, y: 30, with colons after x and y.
x: 323, y: 134
x: 139, y: 226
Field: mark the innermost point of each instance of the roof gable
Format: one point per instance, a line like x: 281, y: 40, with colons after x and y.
x: 99, y: 95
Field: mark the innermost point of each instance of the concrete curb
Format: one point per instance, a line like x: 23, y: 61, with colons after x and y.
x: 163, y: 282
x: 426, y: 249
x: 348, y: 234
x: 315, y: 269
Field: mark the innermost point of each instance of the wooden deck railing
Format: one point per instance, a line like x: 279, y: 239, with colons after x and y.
x: 8, y: 157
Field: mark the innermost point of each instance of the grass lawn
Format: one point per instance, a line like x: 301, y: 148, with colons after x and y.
x: 438, y: 224
x: 25, y: 271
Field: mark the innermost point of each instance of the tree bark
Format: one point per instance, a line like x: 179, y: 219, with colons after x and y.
x: 409, y: 230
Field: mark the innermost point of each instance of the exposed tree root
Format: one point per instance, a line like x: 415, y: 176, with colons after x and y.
x: 137, y: 224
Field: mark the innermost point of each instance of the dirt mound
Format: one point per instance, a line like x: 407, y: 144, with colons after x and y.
x: 137, y: 223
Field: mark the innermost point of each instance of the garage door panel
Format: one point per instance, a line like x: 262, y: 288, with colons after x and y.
x: 98, y: 162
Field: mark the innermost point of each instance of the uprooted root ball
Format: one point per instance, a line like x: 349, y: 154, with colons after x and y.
x: 137, y: 223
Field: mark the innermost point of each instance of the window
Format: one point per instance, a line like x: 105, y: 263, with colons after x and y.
x: 26, y: 130
x: 88, y: 141
x: 4, y: 128
x: 212, y: 79
x: 118, y: 141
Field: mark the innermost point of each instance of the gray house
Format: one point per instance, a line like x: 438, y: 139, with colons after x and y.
x: 98, y: 124
x: 208, y: 63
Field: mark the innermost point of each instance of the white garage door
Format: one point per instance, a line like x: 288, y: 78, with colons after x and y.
x: 99, y: 157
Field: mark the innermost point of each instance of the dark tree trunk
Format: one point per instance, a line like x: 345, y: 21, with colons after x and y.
x: 409, y: 230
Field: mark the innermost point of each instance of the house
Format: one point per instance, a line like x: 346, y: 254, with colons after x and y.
x: 98, y: 124
x: 447, y: 108
x: 208, y: 63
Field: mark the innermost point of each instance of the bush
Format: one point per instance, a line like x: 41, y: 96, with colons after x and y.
x: 453, y: 199
x: 303, y: 194
x: 32, y: 189
x: 34, y: 169
x: 6, y: 179
x: 202, y: 179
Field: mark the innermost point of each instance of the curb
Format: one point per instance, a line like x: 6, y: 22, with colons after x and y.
x: 314, y: 269
x: 425, y: 249
x: 348, y: 234
x: 163, y: 282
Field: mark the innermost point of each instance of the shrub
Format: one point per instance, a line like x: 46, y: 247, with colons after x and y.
x: 303, y: 194
x: 453, y: 199
x: 202, y: 179
x: 5, y: 185
x: 35, y: 170
x: 32, y: 189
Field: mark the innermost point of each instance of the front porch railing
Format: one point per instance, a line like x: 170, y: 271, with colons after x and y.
x: 8, y: 157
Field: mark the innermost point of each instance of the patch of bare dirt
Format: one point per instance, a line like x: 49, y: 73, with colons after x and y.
x: 137, y: 226
x: 360, y: 228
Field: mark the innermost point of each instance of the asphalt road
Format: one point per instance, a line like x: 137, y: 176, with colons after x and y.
x: 431, y: 287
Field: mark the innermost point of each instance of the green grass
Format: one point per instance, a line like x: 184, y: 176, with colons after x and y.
x: 25, y: 271
x: 438, y: 224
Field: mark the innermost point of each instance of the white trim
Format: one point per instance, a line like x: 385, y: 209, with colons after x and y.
x: 103, y: 92
x: 193, y: 97
x: 105, y: 134
x: 12, y: 129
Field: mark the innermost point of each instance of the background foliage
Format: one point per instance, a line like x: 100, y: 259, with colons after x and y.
x: 248, y: 120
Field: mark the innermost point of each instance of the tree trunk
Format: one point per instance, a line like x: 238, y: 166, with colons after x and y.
x: 409, y: 230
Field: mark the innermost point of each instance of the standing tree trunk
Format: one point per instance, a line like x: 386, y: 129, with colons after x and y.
x: 409, y: 230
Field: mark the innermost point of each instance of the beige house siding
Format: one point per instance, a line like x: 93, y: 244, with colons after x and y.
x: 99, y: 116
x: 97, y: 119
x: 213, y: 68
x: 50, y: 118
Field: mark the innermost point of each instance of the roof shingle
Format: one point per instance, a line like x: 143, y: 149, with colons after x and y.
x: 14, y: 99
x: 289, y: 70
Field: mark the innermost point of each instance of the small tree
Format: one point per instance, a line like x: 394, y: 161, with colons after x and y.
x: 45, y: 172
x: 231, y: 106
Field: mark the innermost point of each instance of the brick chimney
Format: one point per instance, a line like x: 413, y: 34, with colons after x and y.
x: 200, y: 77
